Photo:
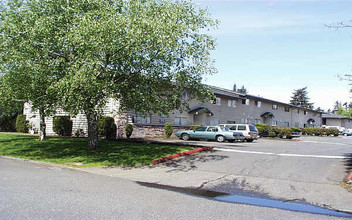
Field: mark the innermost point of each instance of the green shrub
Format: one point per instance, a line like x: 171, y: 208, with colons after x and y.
x: 62, y: 125
x: 263, y: 129
x: 271, y: 134
x: 128, y: 130
x: 107, y: 127
x: 79, y: 133
x: 332, y: 131
x: 276, y: 130
x: 194, y: 127
x: 21, y: 124
x: 168, y: 130
x: 6, y: 123
x: 294, y: 129
x: 285, y: 133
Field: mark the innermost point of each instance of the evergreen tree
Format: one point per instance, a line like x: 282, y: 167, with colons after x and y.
x: 242, y: 90
x: 300, y: 98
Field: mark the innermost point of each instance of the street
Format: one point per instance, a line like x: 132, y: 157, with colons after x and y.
x: 285, y: 170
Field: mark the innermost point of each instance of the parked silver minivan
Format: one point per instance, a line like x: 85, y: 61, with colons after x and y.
x: 250, y: 132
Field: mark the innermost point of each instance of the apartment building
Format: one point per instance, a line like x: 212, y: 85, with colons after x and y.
x: 227, y: 107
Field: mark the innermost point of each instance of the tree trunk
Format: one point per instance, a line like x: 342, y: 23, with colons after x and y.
x: 92, y: 131
x: 42, y: 125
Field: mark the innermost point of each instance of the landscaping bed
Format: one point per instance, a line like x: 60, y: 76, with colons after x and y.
x: 73, y: 151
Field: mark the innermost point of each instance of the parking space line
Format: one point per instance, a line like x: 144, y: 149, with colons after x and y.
x: 283, y: 155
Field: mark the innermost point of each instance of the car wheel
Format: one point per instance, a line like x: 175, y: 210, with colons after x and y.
x: 185, y: 137
x: 250, y: 140
x: 220, y: 138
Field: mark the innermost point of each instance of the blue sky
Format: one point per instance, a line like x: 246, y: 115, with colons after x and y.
x: 274, y: 47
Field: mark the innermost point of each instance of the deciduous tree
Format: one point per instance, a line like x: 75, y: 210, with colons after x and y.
x: 144, y: 53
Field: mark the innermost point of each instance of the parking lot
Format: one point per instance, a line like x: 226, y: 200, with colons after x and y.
x: 309, y: 168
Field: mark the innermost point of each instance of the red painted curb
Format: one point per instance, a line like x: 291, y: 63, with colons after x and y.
x: 163, y: 159
x: 298, y: 140
x: 349, y: 177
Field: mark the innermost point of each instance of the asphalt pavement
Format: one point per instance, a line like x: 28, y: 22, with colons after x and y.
x: 40, y: 191
x: 310, y: 169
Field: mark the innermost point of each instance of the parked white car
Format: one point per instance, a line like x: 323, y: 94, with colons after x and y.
x: 250, y: 132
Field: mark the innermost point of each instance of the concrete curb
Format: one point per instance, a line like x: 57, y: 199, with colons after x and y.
x: 163, y: 159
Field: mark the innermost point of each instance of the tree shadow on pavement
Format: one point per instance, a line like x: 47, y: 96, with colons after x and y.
x: 348, y: 162
x: 189, y: 162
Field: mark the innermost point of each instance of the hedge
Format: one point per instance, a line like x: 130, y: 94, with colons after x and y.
x: 107, y: 127
x: 168, y: 130
x: 194, y: 127
x: 128, y: 130
x: 6, y: 123
x: 62, y: 125
x: 21, y: 123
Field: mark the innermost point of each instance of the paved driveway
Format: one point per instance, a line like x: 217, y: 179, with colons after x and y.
x: 311, y: 169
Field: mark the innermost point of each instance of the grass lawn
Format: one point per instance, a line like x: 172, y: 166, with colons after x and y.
x: 73, y: 151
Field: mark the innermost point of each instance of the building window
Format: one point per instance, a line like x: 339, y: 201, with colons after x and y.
x: 217, y: 101
x: 258, y: 103
x: 275, y: 107
x: 286, y: 124
x: 231, y: 122
x: 305, y: 113
x: 274, y: 123
x: 180, y: 121
x: 140, y: 119
x: 257, y: 121
x: 231, y: 103
x: 287, y: 109
x: 297, y: 111
x: 297, y: 125
x: 243, y: 101
x: 247, y: 101
x: 162, y: 119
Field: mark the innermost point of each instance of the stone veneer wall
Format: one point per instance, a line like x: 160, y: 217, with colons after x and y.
x: 147, y: 131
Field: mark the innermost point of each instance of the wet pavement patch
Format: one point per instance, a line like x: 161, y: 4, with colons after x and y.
x: 298, y: 206
x: 292, y: 206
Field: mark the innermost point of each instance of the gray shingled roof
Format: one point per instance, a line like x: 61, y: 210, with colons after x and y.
x: 334, y: 116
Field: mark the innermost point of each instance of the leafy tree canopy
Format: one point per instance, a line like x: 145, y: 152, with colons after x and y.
x: 77, y: 54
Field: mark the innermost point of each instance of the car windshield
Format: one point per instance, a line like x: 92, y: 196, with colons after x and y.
x: 252, y: 128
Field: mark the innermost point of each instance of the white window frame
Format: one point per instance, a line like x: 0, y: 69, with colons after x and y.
x: 247, y: 101
x: 274, y: 123
x: 275, y: 107
x: 258, y: 104
x: 217, y: 101
x: 234, y: 103
x: 229, y: 103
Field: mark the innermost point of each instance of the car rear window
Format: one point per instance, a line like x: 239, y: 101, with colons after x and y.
x: 201, y: 129
x: 241, y: 127
x: 252, y: 128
